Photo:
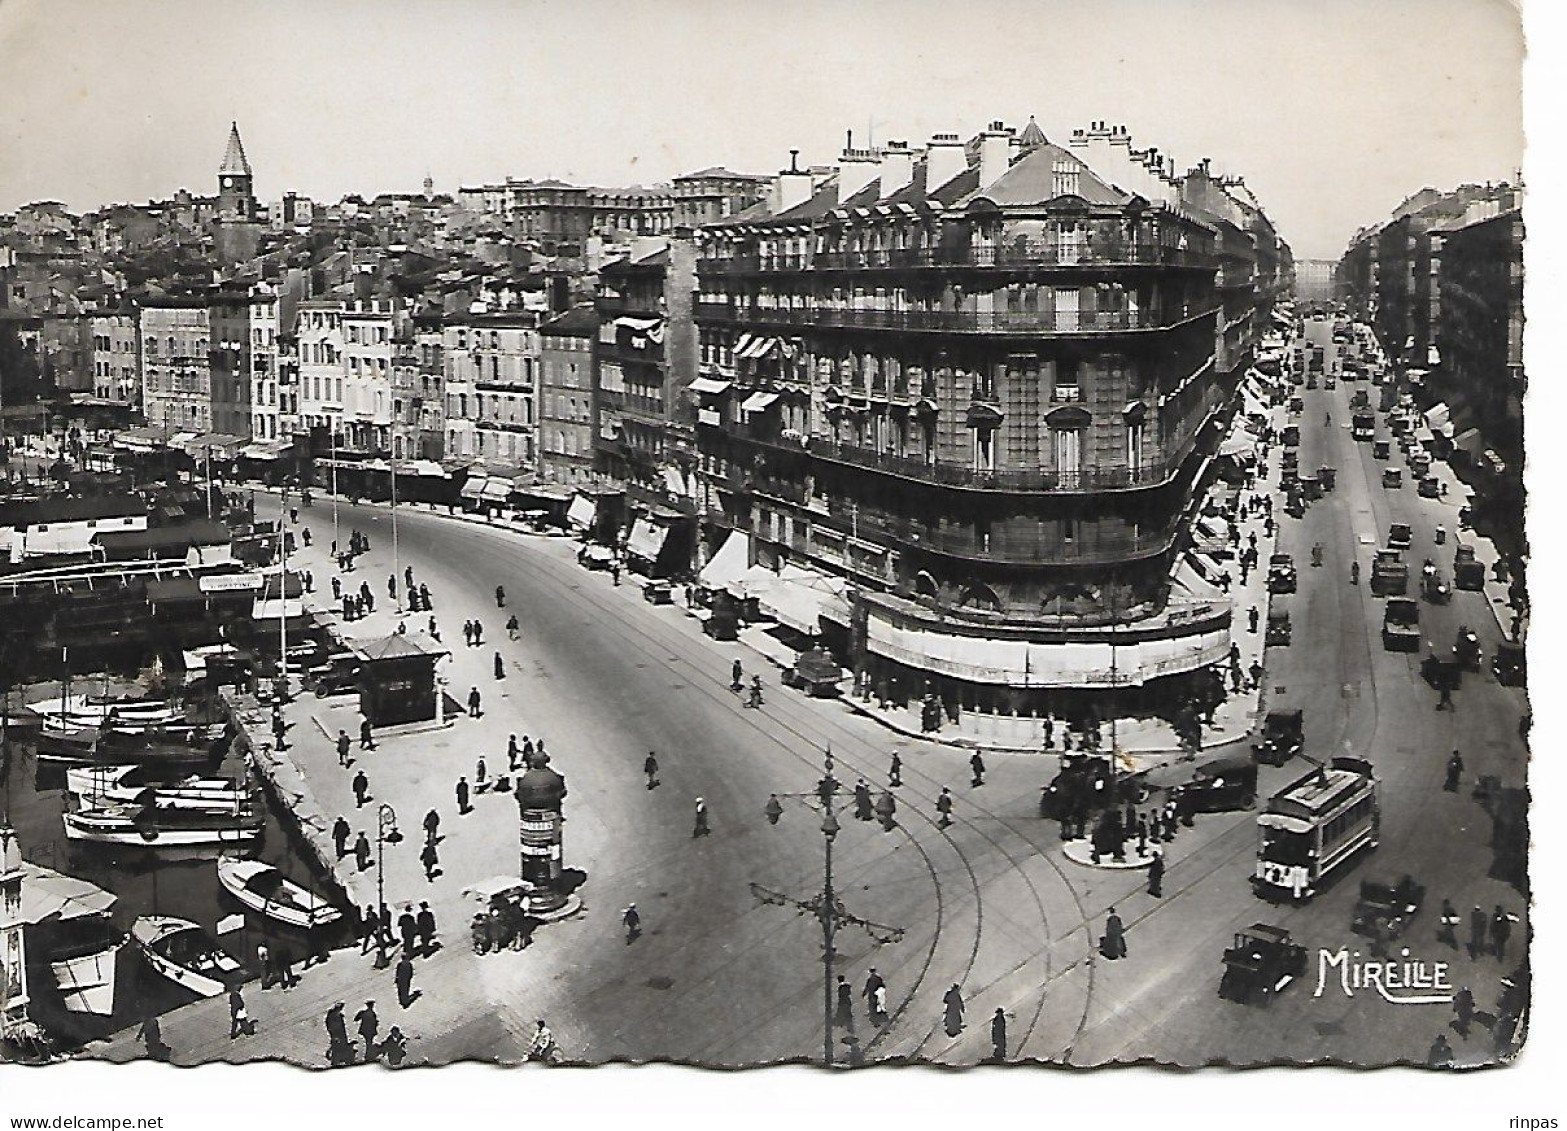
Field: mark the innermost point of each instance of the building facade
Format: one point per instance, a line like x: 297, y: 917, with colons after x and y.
x: 229, y: 317
x: 566, y: 384
x: 270, y: 418
x: 319, y: 330
x: 491, y: 367
x: 176, y: 364
x: 367, y: 368
x: 979, y: 382
x: 116, y: 358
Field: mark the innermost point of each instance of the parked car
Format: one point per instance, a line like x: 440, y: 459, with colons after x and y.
x: 1282, y: 575
x: 1399, y: 536
x: 1282, y: 737
x: 1430, y: 488
x: 658, y: 593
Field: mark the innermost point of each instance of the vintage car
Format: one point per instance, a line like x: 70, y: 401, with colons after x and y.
x: 1442, y: 672
x: 1282, y: 737
x: 1329, y: 384
x: 1392, y: 478
x: 1466, y: 649
x: 1429, y: 488
x: 658, y: 593
x: 1468, y: 573
x: 501, y: 918
x: 1381, y: 449
x: 1401, y: 625
x: 1216, y: 786
x: 1328, y: 476
x: 1310, y: 488
x: 815, y: 672
x: 1263, y: 961
x: 1510, y: 664
x: 721, y: 623
x: 1282, y: 577
x: 1389, y: 574
x: 1399, y: 536
x: 1386, y: 905
x: 593, y: 556
x: 338, y: 674
x: 1084, y: 782
x: 1279, y: 631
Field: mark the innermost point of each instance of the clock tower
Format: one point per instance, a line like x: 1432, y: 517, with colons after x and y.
x: 236, y: 200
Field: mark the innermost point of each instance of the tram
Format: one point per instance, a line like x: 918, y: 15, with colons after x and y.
x: 1315, y: 826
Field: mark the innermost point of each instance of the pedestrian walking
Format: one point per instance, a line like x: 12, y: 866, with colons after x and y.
x: 976, y: 765
x: 1446, y: 931
x: 1142, y: 835
x: 391, y: 587
x: 467, y: 633
x: 264, y: 963
x: 874, y: 987
x: 862, y: 801
x: 473, y: 703
x: 408, y: 930
x: 369, y: 1024
x: 337, y: 589
x: 650, y: 768
x: 700, y: 827
x: 481, y: 780
x: 240, y: 1024
x: 284, y: 960
x: 1463, y: 1011
x: 1455, y: 772
x: 362, y: 851
x: 1501, y: 928
x: 361, y: 789
x: 500, y: 667
x: 434, y: 630
x: 944, y: 807
x: 462, y: 797
x: 425, y: 922
x: 432, y: 827
x: 1444, y: 700
x: 369, y: 929
x: 632, y: 921
x: 366, y: 735
x: 952, y: 1010
x: 998, y: 1035
x: 338, y: 1050
x: 151, y: 1035
x: 478, y: 634
x: 1441, y: 1054
x: 513, y: 627
x: 843, y: 1014
x: 1113, y: 944
x: 1477, y: 926
x: 405, y: 981
x: 895, y: 771
x: 340, y: 831
x: 344, y: 744
x: 773, y: 810
x: 424, y: 597
x: 430, y: 860
x: 278, y: 729
x: 1252, y: 616
x: 1156, y: 875
x: 408, y: 578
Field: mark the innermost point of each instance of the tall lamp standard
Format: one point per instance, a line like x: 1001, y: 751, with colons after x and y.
x: 385, y: 830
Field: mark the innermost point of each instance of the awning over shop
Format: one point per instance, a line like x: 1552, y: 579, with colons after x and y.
x: 729, y: 563
x: 1021, y: 663
x: 474, y: 488
x: 758, y: 346
x: 709, y: 386
x: 263, y: 450
x: 1470, y: 441
x: 801, y: 597
x: 1240, y: 446
x: 752, y: 583
x: 496, y: 490
x: 423, y: 468
x: 1437, y: 415
x: 580, y: 513
x: 646, y: 540
x: 759, y: 402
x: 1185, y: 579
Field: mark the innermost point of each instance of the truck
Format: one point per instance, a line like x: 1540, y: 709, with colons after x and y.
x: 1389, y: 573
x: 1363, y: 425
x: 1401, y: 625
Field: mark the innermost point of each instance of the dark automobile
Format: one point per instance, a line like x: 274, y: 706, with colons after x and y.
x: 722, y: 624
x: 1215, y: 786
x: 1442, y: 672
x: 1381, y: 449
x: 1279, y: 630
x: 1282, y: 577
x: 1392, y: 478
x: 1263, y: 961
x: 1430, y: 488
x: 338, y: 675
x: 658, y: 593
x: 1386, y: 905
x: 1468, y: 573
x: 1509, y: 664
x: 1433, y: 586
x: 596, y: 557
x: 815, y: 672
x: 1283, y: 737
x: 1085, y: 781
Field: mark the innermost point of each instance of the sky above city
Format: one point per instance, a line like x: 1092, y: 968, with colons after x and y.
x: 1333, y: 110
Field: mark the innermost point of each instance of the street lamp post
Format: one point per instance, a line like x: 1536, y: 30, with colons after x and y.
x: 829, y: 787
x: 385, y: 830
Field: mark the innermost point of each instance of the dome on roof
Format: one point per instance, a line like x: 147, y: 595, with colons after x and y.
x: 540, y: 787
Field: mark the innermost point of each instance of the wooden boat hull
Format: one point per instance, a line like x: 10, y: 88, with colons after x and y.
x: 117, y: 829
x: 154, y: 935
x: 86, y: 981
x: 293, y: 907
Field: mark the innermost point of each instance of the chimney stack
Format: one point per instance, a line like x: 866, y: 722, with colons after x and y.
x: 856, y: 169
x: 792, y: 187
x: 995, y: 150
x: 897, y: 168
x: 943, y: 160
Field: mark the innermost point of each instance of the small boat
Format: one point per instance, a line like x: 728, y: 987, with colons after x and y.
x: 84, y: 971
x: 265, y: 890
x: 185, y: 954
x: 163, y: 828
x: 146, y: 785
x: 70, y: 926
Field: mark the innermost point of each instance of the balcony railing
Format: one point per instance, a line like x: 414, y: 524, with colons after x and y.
x: 1007, y: 547
x: 1015, y: 255
x: 959, y: 321
x: 1148, y: 474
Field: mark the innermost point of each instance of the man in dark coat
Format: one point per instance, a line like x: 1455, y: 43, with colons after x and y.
x: 462, y: 797
x: 1455, y: 772
x: 1477, y: 925
x: 895, y: 771
x: 998, y: 1035
x: 366, y: 735
x: 976, y: 766
x: 405, y: 981
x: 338, y: 1050
x: 650, y: 768
x: 361, y: 789
x: 343, y: 745
x: 1463, y: 1011
x: 500, y: 666
x: 408, y: 928
x: 340, y: 831
x: 425, y: 921
x: 1113, y: 945
x: 843, y: 1015
x: 1501, y: 927
x: 474, y: 700
x: 944, y: 807
x: 430, y: 860
x: 432, y: 827
x: 369, y: 1024
x: 862, y: 800
x: 952, y: 1010
x: 369, y: 928
x: 362, y: 851
x: 1156, y: 876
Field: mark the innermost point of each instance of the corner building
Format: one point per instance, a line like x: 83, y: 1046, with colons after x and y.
x: 979, y: 382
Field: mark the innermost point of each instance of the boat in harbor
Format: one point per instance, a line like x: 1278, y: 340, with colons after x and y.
x: 184, y: 744
x: 266, y: 891
x: 69, y: 925
x: 153, y: 827
x: 185, y: 954
x: 156, y: 786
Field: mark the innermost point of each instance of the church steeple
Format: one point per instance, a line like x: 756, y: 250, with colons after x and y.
x: 235, y: 196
